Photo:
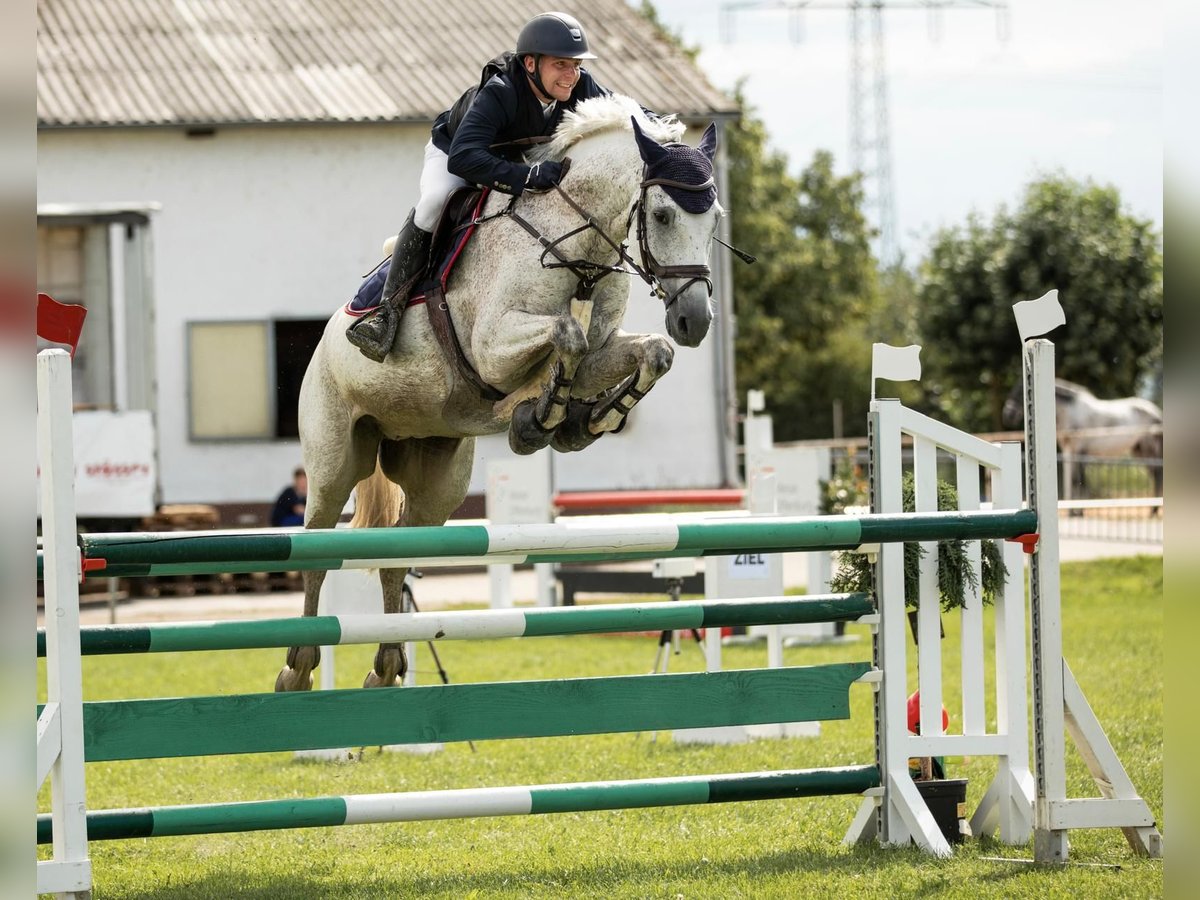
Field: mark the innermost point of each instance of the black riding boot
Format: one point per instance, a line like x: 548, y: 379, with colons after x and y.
x: 374, y: 333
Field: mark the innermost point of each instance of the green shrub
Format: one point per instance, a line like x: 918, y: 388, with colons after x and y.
x: 955, y: 575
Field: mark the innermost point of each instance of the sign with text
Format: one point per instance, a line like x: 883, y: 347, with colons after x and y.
x: 518, y: 490
x: 745, y: 566
x: 115, y: 471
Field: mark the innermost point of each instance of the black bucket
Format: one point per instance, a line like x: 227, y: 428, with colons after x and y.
x: 947, y: 801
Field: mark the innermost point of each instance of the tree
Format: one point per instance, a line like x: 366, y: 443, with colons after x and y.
x: 802, y: 308
x: 1066, y: 234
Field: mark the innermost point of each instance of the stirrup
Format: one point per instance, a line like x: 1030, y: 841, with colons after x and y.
x: 374, y: 333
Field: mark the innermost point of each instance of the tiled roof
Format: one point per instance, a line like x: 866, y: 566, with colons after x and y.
x: 213, y: 62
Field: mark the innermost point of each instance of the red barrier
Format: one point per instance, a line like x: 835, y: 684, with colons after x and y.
x: 632, y: 499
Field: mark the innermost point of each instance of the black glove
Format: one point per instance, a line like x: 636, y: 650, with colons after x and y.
x: 544, y: 175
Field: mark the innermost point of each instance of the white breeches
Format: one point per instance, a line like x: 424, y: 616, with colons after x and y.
x: 436, y: 185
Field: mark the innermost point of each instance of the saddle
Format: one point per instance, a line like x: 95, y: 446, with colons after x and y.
x: 446, y: 244
x: 450, y: 234
x: 454, y: 228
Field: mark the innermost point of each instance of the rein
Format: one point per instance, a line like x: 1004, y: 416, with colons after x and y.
x: 590, y: 273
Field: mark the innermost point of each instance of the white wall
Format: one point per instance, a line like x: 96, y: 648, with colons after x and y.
x: 260, y: 223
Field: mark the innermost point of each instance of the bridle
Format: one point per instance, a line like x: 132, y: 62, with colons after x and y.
x: 693, y: 273
x: 590, y: 273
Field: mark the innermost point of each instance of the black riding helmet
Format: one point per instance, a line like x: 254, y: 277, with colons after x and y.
x: 552, y: 34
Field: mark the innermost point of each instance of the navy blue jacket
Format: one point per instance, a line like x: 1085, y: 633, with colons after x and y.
x: 503, y: 109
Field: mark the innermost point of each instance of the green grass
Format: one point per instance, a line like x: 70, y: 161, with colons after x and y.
x: 1114, y: 630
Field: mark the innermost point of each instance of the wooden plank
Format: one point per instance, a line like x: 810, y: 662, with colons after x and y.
x: 256, y: 723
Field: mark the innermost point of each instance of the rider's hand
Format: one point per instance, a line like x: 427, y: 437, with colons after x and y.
x: 544, y: 175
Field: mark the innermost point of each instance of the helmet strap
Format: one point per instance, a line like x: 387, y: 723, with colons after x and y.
x: 536, y: 77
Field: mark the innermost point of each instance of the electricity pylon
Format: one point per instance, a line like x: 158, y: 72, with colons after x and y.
x: 870, y: 139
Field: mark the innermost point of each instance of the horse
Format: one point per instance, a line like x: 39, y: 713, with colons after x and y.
x: 1089, y: 426
x: 535, y: 302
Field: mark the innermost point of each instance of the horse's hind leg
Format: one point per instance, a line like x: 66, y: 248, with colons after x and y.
x: 434, y: 474
x: 336, y: 457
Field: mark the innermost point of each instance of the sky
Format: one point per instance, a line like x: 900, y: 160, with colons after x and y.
x: 1075, y: 88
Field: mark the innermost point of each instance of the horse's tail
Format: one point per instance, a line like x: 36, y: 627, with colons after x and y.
x: 377, y: 501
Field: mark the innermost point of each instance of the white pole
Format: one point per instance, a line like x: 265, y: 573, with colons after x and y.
x: 500, y: 584
x: 1049, y: 739
x: 69, y: 873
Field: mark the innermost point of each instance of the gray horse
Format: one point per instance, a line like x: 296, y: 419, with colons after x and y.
x: 1090, y: 427
x: 538, y: 325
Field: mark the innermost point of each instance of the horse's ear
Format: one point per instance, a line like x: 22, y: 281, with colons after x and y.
x: 649, y: 148
x: 708, y: 142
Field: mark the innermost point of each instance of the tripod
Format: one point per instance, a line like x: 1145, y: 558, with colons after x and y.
x: 668, y: 640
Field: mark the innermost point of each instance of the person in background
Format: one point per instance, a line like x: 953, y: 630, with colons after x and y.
x: 289, y: 505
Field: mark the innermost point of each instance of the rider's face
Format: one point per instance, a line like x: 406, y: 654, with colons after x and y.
x: 558, y: 77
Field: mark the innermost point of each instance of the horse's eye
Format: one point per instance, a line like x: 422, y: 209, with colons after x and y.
x: 662, y: 217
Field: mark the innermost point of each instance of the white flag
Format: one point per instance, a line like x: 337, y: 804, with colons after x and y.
x: 895, y: 363
x: 1036, y: 317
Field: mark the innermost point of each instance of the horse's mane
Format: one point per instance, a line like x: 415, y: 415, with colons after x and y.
x: 604, y: 114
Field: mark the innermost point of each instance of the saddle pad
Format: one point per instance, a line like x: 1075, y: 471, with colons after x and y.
x: 368, y: 295
x: 370, y: 292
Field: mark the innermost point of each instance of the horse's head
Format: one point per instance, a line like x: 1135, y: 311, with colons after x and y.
x: 677, y: 214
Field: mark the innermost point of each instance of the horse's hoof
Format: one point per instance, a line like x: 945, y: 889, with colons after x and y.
x: 525, y: 433
x: 373, y: 680
x: 389, y: 668
x: 573, y: 434
x: 291, y: 680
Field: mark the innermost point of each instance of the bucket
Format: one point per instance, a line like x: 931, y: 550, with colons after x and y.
x: 947, y: 801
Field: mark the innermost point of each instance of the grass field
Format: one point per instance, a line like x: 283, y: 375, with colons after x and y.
x: 1113, y: 619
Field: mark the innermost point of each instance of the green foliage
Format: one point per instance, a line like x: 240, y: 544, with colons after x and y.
x: 1065, y: 234
x: 803, y: 309
x: 648, y: 11
x: 846, y: 487
x: 955, y: 574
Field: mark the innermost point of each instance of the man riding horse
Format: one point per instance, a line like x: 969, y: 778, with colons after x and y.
x: 480, y: 140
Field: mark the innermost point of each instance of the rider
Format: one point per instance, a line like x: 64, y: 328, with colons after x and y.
x: 525, y: 97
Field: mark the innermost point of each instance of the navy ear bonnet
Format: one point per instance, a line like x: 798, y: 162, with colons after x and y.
x: 679, y: 162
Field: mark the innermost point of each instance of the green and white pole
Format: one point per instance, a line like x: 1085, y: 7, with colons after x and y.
x: 200, y: 553
x: 216, y: 818
x: 168, y: 637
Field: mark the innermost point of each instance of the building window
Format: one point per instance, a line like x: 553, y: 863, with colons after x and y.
x: 244, y: 377
x: 295, y: 341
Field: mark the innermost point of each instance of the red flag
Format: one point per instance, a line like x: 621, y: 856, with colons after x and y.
x: 61, y: 323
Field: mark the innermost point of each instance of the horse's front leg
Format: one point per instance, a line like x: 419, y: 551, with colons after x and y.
x: 537, y: 407
x: 623, y: 370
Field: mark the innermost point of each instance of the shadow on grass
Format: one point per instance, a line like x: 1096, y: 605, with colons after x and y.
x: 781, y: 874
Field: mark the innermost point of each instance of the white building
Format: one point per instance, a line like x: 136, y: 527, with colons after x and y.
x: 213, y: 183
